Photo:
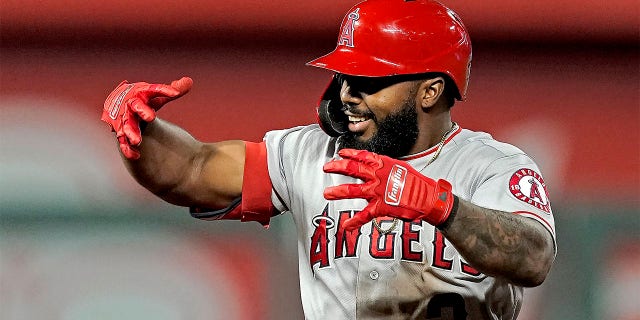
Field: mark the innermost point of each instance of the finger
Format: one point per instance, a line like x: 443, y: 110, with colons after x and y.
x: 183, y: 85
x: 149, y: 91
x: 349, y: 153
x: 349, y: 168
x: 363, y: 156
x: 144, y: 111
x: 131, y: 128
x: 127, y: 150
x: 176, y: 89
x: 358, y: 219
x: 345, y: 191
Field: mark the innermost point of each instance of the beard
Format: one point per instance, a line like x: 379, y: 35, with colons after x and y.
x: 395, y: 136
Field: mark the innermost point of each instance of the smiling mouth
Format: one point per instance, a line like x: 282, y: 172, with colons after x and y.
x: 358, y: 124
x: 357, y: 119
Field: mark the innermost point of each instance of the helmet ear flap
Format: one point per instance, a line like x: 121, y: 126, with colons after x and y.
x: 329, y: 111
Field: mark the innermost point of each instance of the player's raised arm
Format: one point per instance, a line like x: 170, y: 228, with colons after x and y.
x: 164, y: 158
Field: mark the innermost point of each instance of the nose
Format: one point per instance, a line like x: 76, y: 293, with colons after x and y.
x: 349, y: 96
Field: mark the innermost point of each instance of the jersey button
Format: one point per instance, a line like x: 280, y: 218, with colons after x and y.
x: 374, y: 275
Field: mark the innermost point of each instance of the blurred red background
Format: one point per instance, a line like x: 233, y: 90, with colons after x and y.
x: 560, y: 79
x: 560, y: 75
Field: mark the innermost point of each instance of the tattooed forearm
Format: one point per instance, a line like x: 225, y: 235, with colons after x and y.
x: 501, y: 244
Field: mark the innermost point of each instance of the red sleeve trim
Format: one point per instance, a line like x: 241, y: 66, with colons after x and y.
x: 233, y: 210
x: 544, y: 222
x: 256, y: 185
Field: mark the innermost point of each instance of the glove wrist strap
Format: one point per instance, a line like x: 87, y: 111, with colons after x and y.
x: 454, y: 210
x: 441, y: 203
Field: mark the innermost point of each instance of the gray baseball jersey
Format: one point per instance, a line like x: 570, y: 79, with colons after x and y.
x: 412, y: 271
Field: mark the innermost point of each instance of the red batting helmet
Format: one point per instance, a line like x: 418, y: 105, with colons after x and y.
x: 394, y: 37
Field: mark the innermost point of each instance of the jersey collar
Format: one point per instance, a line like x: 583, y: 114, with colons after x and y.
x: 432, y: 149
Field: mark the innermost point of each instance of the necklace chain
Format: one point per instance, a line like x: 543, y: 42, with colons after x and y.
x: 435, y: 156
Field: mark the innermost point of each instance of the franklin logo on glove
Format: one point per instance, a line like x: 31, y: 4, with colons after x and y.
x: 395, y: 185
x: 114, y: 107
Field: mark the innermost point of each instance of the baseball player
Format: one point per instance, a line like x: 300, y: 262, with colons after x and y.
x: 400, y: 212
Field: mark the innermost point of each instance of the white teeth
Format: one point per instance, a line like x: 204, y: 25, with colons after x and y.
x: 357, y: 119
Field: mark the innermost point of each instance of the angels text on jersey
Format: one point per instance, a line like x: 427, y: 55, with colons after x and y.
x: 330, y: 241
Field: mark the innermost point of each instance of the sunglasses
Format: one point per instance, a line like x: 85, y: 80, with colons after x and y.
x: 370, y: 85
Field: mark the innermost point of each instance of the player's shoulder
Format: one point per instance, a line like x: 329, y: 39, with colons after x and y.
x: 300, y: 138
x: 312, y: 131
x: 483, y: 145
x: 485, y: 157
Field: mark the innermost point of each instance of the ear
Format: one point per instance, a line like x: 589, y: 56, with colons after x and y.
x: 429, y: 92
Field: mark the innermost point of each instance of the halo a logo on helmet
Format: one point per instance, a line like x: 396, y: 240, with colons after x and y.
x: 346, y: 34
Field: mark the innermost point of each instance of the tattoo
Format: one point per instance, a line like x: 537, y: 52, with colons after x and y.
x: 500, y: 244
x: 505, y: 232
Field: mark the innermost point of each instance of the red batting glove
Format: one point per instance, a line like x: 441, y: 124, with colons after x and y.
x: 392, y: 188
x: 129, y: 103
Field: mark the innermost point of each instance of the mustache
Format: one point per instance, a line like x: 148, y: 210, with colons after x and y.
x: 362, y: 113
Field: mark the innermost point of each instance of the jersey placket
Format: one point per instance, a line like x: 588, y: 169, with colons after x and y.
x: 375, y: 272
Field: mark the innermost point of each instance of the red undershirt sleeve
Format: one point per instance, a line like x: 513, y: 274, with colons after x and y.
x: 255, y: 203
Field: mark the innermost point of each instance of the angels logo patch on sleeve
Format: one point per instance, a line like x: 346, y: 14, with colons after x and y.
x: 528, y: 186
